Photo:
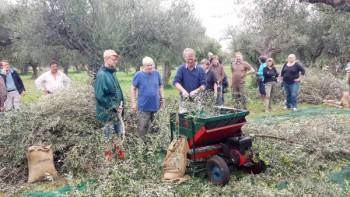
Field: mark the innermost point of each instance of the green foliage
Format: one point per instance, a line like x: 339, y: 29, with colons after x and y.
x: 316, y: 143
x: 77, y: 32
x: 210, y: 45
x: 65, y: 120
x: 298, y: 168
x: 277, y: 28
x: 314, y: 88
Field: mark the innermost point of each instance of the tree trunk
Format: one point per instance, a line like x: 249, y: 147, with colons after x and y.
x: 156, y: 65
x: 166, y: 73
x: 316, y: 53
x: 301, y: 55
x: 65, y: 69
x: 77, y: 67
x: 35, y: 70
x: 137, y: 68
x: 25, y: 69
x: 5, y: 36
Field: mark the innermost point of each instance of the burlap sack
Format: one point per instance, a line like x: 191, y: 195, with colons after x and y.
x: 174, y: 166
x: 40, y: 163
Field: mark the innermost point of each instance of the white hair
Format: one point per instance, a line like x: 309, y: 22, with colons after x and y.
x: 189, y: 51
x: 147, y: 60
x: 292, y: 56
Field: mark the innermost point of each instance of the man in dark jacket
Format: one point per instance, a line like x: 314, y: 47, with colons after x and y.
x: 190, y: 78
x: 108, y: 94
x: 14, y: 86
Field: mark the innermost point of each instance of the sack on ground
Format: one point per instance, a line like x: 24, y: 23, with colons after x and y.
x: 40, y: 163
x: 175, y: 162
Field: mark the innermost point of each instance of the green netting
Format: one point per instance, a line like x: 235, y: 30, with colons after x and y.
x: 63, y: 191
x: 309, y: 112
x: 341, y: 177
x: 282, y: 185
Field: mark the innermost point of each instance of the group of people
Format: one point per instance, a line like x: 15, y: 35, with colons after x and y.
x: 147, y: 90
x: 291, y: 76
x: 12, y: 87
x: 216, y: 79
x: 192, y: 78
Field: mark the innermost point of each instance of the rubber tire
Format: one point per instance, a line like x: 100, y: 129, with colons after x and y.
x: 258, y: 167
x: 218, y: 171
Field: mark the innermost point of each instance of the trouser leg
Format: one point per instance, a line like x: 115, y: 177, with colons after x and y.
x: 144, y: 122
x: 262, y: 88
x: 294, y: 94
x: 287, y: 90
x: 235, y: 96
x: 17, y: 100
x: 238, y: 96
x: 108, y: 130
x: 242, y: 95
x: 268, y: 99
x: 9, y: 101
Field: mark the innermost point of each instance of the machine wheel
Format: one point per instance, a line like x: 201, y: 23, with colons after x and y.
x: 258, y: 167
x: 218, y: 171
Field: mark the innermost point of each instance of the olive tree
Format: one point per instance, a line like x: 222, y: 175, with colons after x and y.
x: 276, y: 28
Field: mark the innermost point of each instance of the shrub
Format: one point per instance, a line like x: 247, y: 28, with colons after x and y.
x: 319, y: 85
x: 65, y: 120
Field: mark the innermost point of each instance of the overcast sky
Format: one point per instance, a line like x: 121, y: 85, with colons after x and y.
x: 217, y: 16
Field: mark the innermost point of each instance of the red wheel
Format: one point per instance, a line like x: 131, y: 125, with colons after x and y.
x: 218, y: 171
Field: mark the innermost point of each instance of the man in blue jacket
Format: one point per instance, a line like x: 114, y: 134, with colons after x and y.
x: 190, y: 79
x: 108, y: 94
x: 14, y: 86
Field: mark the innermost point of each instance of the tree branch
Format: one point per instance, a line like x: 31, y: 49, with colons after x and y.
x: 337, y: 4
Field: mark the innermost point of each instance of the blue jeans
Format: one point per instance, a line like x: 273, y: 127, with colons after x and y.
x: 111, y: 128
x: 291, y: 93
x: 262, y: 90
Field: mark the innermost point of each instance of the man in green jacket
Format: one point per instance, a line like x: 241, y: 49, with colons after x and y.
x: 108, y: 94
